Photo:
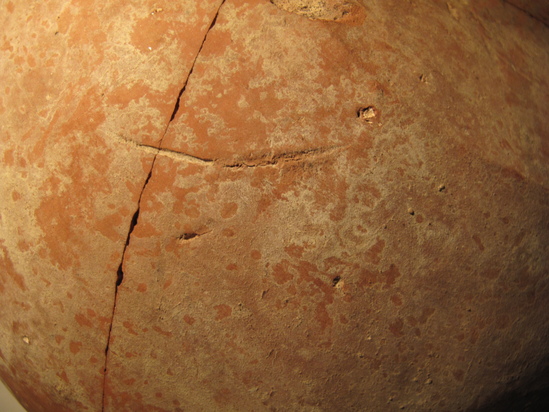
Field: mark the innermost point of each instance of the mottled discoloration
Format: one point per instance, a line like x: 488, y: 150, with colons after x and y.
x: 74, y: 76
x: 294, y: 249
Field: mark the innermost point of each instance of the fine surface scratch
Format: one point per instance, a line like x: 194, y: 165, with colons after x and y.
x: 135, y: 217
x: 527, y: 12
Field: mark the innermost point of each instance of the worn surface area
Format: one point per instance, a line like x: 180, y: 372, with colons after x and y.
x: 286, y: 205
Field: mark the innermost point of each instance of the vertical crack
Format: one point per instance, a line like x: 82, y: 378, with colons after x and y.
x: 135, y: 217
x: 119, y: 279
x: 176, y: 108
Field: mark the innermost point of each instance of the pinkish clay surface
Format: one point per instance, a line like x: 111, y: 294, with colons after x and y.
x: 274, y: 206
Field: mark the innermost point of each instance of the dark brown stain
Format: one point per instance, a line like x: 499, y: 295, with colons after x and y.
x: 396, y: 328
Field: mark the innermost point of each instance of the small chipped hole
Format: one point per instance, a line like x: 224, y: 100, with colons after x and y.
x: 188, y: 236
x: 367, y: 114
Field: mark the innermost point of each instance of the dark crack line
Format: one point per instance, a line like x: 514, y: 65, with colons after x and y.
x: 176, y: 108
x: 119, y: 279
x: 529, y: 14
x: 135, y: 217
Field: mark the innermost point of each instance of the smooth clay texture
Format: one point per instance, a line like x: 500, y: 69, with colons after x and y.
x: 227, y: 205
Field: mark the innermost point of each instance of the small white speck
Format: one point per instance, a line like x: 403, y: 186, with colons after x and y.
x: 26, y: 340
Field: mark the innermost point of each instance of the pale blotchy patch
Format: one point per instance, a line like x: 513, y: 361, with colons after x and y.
x: 340, y: 11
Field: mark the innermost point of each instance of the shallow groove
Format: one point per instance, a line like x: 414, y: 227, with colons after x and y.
x: 284, y: 157
x: 268, y: 159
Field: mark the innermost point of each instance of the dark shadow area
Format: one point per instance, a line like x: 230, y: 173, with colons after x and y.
x: 532, y: 395
x: 537, y: 401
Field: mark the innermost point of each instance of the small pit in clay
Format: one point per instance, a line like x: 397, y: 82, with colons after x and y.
x: 367, y: 114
